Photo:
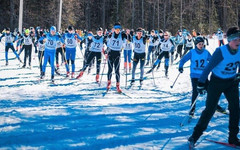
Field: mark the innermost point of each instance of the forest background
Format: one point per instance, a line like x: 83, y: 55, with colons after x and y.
x: 205, y: 16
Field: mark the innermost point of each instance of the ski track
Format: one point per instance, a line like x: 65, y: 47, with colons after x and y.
x: 74, y: 115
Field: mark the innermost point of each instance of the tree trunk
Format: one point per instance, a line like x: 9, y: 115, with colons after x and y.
x: 143, y: 13
x: 12, y: 14
x: 103, y: 14
x: 133, y: 11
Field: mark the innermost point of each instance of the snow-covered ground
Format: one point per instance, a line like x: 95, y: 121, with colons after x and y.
x: 74, y: 114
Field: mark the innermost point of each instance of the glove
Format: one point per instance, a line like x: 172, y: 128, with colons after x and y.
x: 237, y: 78
x: 201, y: 89
x: 180, y: 69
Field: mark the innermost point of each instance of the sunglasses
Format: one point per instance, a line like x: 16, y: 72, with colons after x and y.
x: 165, y: 35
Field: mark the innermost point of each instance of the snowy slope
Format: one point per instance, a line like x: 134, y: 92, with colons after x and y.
x: 75, y: 115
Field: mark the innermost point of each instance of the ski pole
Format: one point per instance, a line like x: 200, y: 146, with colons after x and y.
x: 184, y: 119
x: 153, y: 79
x: 175, y: 81
x: 126, y: 78
x: 105, y: 62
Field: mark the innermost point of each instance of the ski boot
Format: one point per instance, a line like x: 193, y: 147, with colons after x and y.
x: 52, y: 78
x: 6, y: 63
x: 24, y: 66
x: 235, y: 141
x: 141, y: 82
x: 191, y: 142
x: 72, y: 75
x: 67, y: 75
x: 97, y: 78
x: 42, y: 75
x: 118, y: 87
x: 132, y: 82
x: 108, y: 85
x: 80, y: 75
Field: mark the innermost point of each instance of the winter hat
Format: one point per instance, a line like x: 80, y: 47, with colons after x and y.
x: 53, y: 28
x: 198, y: 40
x: 139, y: 30
x: 233, y: 33
x: 70, y: 28
x: 27, y: 31
x: 117, y: 26
x: 99, y: 29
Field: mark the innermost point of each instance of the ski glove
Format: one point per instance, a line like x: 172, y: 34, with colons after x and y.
x: 201, y: 89
x: 237, y: 78
x: 180, y: 69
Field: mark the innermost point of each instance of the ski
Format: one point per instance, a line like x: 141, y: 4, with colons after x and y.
x: 122, y: 93
x: 224, y: 143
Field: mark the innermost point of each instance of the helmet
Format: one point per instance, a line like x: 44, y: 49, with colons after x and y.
x: 198, y: 40
x: 53, y: 28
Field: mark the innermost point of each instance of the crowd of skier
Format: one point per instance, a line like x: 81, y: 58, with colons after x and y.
x: 139, y: 46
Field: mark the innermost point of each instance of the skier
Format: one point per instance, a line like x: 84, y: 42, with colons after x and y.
x: 70, y: 40
x: 95, y: 51
x: 199, y: 58
x: 139, y: 54
x: 167, y: 46
x: 9, y: 40
x: 87, y: 41
x: 19, y: 44
x: 59, y: 51
x: 220, y: 37
x: 41, y: 47
x: 189, y: 44
x: 151, y: 48
x: 115, y: 44
x: 128, y: 46
x: 204, y: 37
x: 180, y: 40
x: 50, y: 51
x: 27, y: 41
x: 224, y: 79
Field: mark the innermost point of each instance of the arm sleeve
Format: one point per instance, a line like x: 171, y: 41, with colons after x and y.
x: 185, y: 59
x: 214, y: 61
x: 78, y: 36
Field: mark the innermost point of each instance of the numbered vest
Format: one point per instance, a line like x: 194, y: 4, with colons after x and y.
x: 59, y: 44
x: 27, y: 40
x: 151, y: 43
x: 8, y: 38
x: 139, y: 46
x: 97, y: 45
x: 198, y: 61
x: 128, y: 45
x: 41, y: 47
x: 166, y: 45
x: 220, y: 36
x: 116, y: 44
x: 227, y: 68
x: 70, y: 41
x: 51, y: 42
x: 189, y: 43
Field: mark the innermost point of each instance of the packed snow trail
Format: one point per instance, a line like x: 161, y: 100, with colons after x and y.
x: 74, y: 115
